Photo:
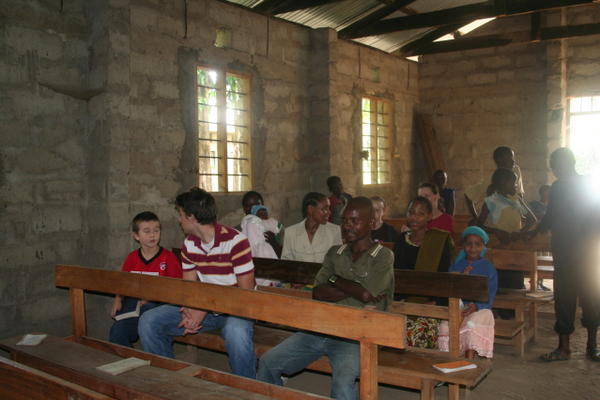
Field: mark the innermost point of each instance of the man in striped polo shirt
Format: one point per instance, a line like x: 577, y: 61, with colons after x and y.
x: 215, y: 254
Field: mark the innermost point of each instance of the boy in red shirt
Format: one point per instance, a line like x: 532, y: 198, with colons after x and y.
x: 149, y: 259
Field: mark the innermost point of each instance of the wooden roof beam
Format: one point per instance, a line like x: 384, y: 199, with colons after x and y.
x: 274, y: 7
x: 463, y: 14
x: 375, y: 16
x: 479, y: 42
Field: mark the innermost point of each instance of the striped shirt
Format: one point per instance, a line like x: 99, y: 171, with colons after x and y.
x: 221, y: 264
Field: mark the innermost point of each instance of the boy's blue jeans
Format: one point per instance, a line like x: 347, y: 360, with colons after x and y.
x: 296, y: 352
x: 125, y: 331
x: 158, y: 326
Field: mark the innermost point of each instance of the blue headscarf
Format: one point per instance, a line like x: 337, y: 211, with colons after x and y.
x: 254, y: 210
x: 477, y: 231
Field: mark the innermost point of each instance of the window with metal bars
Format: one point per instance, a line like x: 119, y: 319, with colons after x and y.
x: 376, y: 143
x: 584, y: 134
x: 224, y: 131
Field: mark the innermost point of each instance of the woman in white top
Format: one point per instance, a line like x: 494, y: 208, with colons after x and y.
x: 310, y: 239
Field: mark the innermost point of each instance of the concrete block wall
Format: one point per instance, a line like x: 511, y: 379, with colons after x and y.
x: 485, y: 98
x: 515, y: 95
x: 43, y: 151
x: 357, y: 71
x: 97, y: 106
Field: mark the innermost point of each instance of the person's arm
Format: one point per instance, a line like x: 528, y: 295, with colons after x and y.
x: 492, y: 288
x: 343, y: 288
x: 323, y: 290
x: 116, y: 305
x: 471, y: 208
x: 451, y: 202
x: 191, y: 318
x: 529, y: 216
x: 271, y: 239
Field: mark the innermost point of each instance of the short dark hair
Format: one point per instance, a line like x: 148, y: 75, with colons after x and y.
x: 144, y: 216
x: 250, y: 194
x: 564, y: 155
x: 502, y: 151
x: 500, y: 176
x: 434, y: 188
x: 199, y: 203
x: 332, y: 179
x: 360, y: 202
x: 424, y: 201
x: 311, y: 199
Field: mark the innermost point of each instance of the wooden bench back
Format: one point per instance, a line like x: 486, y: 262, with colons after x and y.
x: 513, y: 260
x: 369, y: 327
x: 418, y: 283
x: 307, y: 314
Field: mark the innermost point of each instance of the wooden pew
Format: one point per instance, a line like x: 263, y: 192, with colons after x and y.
x: 370, y: 328
x: 409, y: 369
x: 20, y: 382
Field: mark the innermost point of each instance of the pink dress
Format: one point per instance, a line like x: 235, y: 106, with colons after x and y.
x: 476, y: 333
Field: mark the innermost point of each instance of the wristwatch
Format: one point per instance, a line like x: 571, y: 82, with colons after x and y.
x: 332, y: 279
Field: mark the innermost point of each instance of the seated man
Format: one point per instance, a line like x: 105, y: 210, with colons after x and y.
x: 215, y: 254
x: 359, y: 273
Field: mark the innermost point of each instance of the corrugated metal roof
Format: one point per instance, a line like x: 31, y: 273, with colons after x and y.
x: 341, y: 14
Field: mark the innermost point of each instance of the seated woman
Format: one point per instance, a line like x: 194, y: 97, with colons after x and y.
x: 310, y: 239
x: 381, y: 231
x: 252, y: 226
x: 477, y: 327
x: 422, y: 249
x: 439, y: 219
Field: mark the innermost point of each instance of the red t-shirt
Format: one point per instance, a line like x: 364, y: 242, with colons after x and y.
x: 444, y: 222
x: 164, y: 263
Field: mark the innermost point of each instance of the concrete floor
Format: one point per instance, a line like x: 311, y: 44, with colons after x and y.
x: 511, y: 378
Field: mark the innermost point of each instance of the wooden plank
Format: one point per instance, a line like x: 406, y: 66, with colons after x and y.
x: 463, y: 15
x: 430, y: 145
x: 20, y: 382
x: 77, y: 300
x: 286, y: 270
x: 440, y: 284
x: 414, y: 46
x: 368, y: 371
x: 454, y: 321
x: 308, y: 314
x: 75, y: 362
x: 424, y: 310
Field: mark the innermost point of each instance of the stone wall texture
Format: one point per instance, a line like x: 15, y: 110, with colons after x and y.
x: 508, y: 96
x: 97, y: 106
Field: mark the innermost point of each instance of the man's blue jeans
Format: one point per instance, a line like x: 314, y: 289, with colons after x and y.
x: 158, y: 326
x: 296, y: 352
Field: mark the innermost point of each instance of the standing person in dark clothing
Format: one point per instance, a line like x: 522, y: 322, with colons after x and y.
x: 447, y: 195
x: 570, y: 210
x: 338, y: 199
x: 382, y: 231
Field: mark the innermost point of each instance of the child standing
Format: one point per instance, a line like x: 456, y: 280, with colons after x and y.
x: 149, y: 259
x: 337, y: 200
x: 477, y: 328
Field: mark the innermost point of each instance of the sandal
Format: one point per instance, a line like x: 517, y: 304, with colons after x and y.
x: 593, y: 354
x: 555, y: 355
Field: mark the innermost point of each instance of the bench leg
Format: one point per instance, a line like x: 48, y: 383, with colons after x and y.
x: 427, y: 392
x: 533, y: 320
x: 519, y: 343
x: 453, y: 391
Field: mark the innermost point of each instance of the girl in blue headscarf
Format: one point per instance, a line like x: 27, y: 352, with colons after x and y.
x: 477, y: 328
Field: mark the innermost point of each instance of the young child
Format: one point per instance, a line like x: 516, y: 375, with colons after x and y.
x: 504, y: 213
x: 149, y: 259
x: 477, y: 328
x: 337, y: 200
x: 253, y: 226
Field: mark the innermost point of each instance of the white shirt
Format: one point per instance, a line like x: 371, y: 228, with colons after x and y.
x: 253, y: 228
x: 296, y: 245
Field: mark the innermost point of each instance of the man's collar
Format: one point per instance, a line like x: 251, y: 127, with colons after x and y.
x: 373, y: 251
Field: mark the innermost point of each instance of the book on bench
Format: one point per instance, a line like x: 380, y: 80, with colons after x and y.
x: 454, y: 366
x: 131, y: 308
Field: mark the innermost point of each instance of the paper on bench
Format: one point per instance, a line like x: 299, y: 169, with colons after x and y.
x: 31, y: 339
x: 124, y: 365
x: 454, y: 366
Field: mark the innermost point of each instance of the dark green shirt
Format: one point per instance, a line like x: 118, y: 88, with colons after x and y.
x: 374, y: 270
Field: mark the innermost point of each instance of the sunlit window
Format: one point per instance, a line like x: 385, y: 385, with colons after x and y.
x: 584, y: 134
x: 376, y: 147
x: 223, y: 131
